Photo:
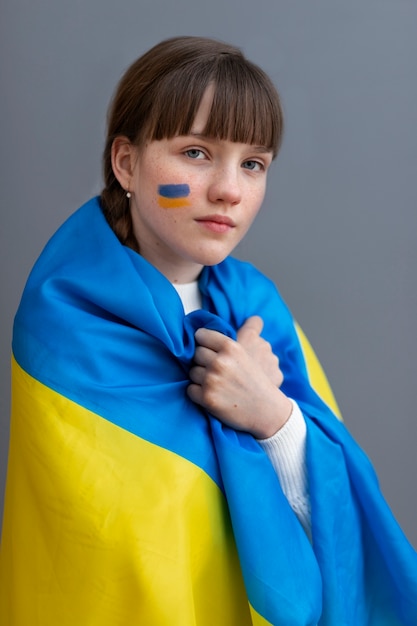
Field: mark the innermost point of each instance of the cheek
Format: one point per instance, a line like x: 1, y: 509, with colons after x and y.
x: 254, y: 205
x: 173, y: 196
x: 259, y: 197
x: 254, y: 198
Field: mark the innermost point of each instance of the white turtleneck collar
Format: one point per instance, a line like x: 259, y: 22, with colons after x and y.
x: 190, y: 296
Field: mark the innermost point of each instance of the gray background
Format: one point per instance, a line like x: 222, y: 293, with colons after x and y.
x: 337, y: 232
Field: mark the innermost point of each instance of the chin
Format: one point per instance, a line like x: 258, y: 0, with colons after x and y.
x: 213, y: 255
x: 212, y: 258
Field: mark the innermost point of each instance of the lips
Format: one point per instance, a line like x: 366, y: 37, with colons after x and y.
x: 217, y: 219
x: 217, y: 223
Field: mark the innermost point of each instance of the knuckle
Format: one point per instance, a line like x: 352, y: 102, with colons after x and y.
x: 228, y: 355
x: 209, y: 395
x: 229, y: 345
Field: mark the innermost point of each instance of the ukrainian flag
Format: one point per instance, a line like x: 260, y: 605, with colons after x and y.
x: 173, y: 196
x: 126, y: 504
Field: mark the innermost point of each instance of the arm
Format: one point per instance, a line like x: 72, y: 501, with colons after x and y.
x: 287, y: 452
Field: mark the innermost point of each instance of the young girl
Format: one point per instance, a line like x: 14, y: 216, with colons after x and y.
x: 170, y: 461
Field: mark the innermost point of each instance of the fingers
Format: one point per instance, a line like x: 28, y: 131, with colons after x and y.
x: 215, y: 364
x: 259, y: 349
x: 211, y: 339
x: 197, y: 374
x: 219, y: 360
x: 216, y: 341
x: 204, y: 356
x: 253, y: 325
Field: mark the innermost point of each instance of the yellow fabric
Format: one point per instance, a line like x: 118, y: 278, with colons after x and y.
x: 258, y: 620
x: 177, y: 567
x: 316, y: 375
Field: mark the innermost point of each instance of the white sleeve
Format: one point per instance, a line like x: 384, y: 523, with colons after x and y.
x: 287, y: 452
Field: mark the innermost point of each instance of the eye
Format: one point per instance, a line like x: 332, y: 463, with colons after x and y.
x: 195, y: 153
x: 254, y: 166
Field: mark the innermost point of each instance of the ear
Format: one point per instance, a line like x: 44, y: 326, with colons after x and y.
x: 123, y: 159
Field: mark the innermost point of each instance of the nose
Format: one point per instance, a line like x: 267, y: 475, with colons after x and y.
x: 225, y: 187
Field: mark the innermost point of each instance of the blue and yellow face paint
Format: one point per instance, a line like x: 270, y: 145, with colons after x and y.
x: 173, y: 196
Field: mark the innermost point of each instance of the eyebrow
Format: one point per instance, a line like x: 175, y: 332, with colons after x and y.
x: 256, y: 148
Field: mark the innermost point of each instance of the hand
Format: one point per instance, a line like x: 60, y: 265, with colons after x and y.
x: 237, y: 380
x: 259, y: 349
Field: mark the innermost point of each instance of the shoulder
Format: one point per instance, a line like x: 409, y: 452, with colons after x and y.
x: 78, y: 227
x: 72, y: 244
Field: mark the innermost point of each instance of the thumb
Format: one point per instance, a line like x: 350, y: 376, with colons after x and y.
x: 253, y: 324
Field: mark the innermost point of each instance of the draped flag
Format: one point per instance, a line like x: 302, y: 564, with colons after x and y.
x: 127, y: 504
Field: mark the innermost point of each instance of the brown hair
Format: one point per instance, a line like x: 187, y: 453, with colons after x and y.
x: 159, y: 95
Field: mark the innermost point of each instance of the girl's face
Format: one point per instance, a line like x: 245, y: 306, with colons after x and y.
x: 193, y: 198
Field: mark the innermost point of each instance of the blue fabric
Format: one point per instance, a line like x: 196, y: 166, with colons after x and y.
x: 101, y: 326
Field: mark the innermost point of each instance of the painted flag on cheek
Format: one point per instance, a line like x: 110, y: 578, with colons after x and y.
x: 173, y: 196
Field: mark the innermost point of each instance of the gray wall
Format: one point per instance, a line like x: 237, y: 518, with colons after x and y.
x: 338, y: 229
